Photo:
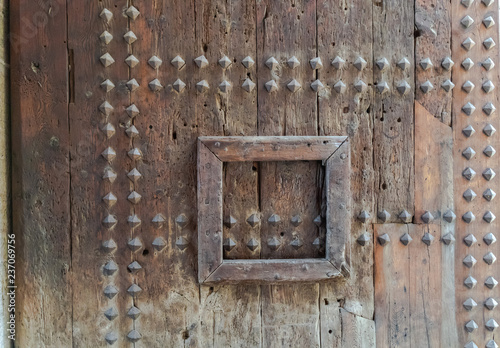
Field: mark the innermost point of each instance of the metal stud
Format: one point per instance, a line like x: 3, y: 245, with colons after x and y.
x: 225, y: 86
x: 382, y: 87
x: 491, y: 325
x: 132, y: 12
x: 338, y: 63
x: 134, y: 197
x: 489, y: 151
x: 252, y: 244
x: 340, y: 87
x: 179, y: 85
x: 468, y: 217
x: 132, y: 111
x: 130, y: 37
x: 469, y: 261
x: 106, y: 60
x: 230, y: 221
x: 107, y: 85
x: 317, y: 243
x: 155, y: 62
x: 106, y: 37
x: 490, y: 303
x: 403, y: 87
x: 273, y: 243
x: 489, y: 130
x: 487, y: 2
x: 228, y: 244
x: 470, y: 344
x: 181, y: 243
x: 488, y: 64
x: 427, y: 238
x: 106, y: 108
x: 489, y: 43
x: 360, y: 86
x: 468, y: 109
x: 467, y: 64
x: 134, y: 244
x: 470, y: 240
x: 426, y: 87
x: 360, y: 63
x: 489, y: 108
x: 468, y: 131
x: 293, y: 62
x: 448, y: 239
x: 272, y: 63
x: 489, y: 238
x: 466, y: 3
x: 225, y: 62
x: 201, y: 61
x: 110, y: 291
x: 110, y: 199
x: 449, y: 216
x: 294, y: 86
x: 271, y: 86
x: 296, y: 243
x: 403, y: 64
x: 133, y: 312
x: 364, y: 216
x: 132, y: 85
x: 317, y: 85
x: 490, y: 282
x: 469, y: 304
x: 489, y: 174
x: 108, y: 130
x: 470, y: 282
x: 382, y: 64
x: 489, y: 194
x: 181, y: 221
x: 134, y: 290
x: 159, y: 244
x: 134, y: 175
x: 488, y: 86
x: 202, y: 86
x: 427, y: 217
x: 468, y: 44
x: 470, y: 326
x: 468, y: 86
x: 178, y: 62
x: 489, y: 258
x: 248, y: 62
x: 426, y: 64
x: 469, y: 195
x: 363, y: 239
x: 384, y: 215
x: 467, y: 21
x: 109, y: 154
x: 405, y: 217
x: 488, y: 22
x: 447, y: 85
x: 447, y: 63
x: 274, y: 220
x: 405, y: 239
x: 248, y: 85
x: 468, y: 153
x: 134, y: 336
x: 109, y: 245
x: 111, y: 338
x: 132, y: 61
x: 132, y: 132
x: 318, y: 221
x: 133, y: 221
x: 296, y: 220
x: 253, y: 220
x: 110, y: 268
x: 106, y: 14
x: 316, y: 63
x: 109, y: 221
x: 469, y: 173
x: 383, y: 239
x: 134, y: 267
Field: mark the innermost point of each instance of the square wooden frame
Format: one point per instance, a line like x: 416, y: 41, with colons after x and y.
x: 213, y: 151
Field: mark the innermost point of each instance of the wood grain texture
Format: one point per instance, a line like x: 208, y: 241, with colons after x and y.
x: 357, y: 332
x: 41, y: 183
x: 393, y: 137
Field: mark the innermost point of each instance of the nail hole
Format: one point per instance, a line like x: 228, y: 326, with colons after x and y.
x: 145, y: 252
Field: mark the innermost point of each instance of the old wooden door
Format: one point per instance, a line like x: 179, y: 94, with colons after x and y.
x: 114, y: 190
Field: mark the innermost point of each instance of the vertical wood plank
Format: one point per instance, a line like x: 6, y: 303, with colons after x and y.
x: 357, y: 332
x: 41, y: 183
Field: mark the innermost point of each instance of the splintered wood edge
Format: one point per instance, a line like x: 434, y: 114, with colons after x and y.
x: 270, y: 148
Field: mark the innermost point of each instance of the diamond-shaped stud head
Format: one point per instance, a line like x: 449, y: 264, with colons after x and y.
x: 468, y: 153
x: 132, y: 61
x: 294, y: 86
x: 489, y: 108
x: 470, y: 240
x: 132, y: 12
x: 490, y: 303
x: 403, y: 64
x: 489, y: 238
x: 489, y: 194
x: 179, y: 85
x: 447, y: 63
x: 340, y: 87
x: 181, y: 221
x: 134, y: 221
x: 405, y: 239
x: 383, y: 239
x: 178, y: 62
x: 253, y: 220
x: 202, y: 86
x: 363, y: 239
x: 469, y: 261
x: 489, y: 130
x: 106, y: 37
x: 111, y: 338
x: 155, y: 62
x: 274, y: 220
x: 316, y: 63
x: 489, y: 258
x: 489, y: 43
x: 489, y: 151
x: 488, y: 64
x: 405, y: 217
x: 134, y: 290
x: 108, y: 130
x: 230, y: 221
x: 109, y: 154
x: 296, y: 243
x: 132, y: 85
x: 360, y: 86
x: 248, y: 62
x: 469, y: 304
x: 106, y: 60
x: 110, y: 268
x: 107, y: 85
x: 488, y: 22
x: 110, y: 291
x: 384, y: 215
x: 133, y: 312
x: 470, y: 326
x: 427, y: 217
x: 134, y: 197
x: 271, y: 86
x: 132, y: 132
x: 364, y: 216
x: 296, y: 220
x: 490, y: 282
x: 130, y: 37
x: 338, y: 63
x: 491, y: 325
x: 109, y: 245
x: 469, y: 195
x: 382, y: 87
x: 134, y: 267
x: 489, y: 174
x: 134, y: 175
x: 132, y: 111
x: 466, y: 3
x: 468, y: 43
x: 228, y: 244
x: 318, y: 221
x: 134, y: 336
x: 273, y: 243
x: 427, y: 238
x: 470, y: 344
x: 470, y: 282
x: 382, y: 63
x: 201, y: 61
x: 426, y: 87
x: 447, y: 85
x: 272, y: 63
x: 468, y: 217
x: 252, y: 244
x: 487, y: 2
x: 225, y: 86
x: 317, y: 243
x: 106, y: 14
x: 159, y: 244
x: 360, y: 63
x: 403, y: 87
x: 248, y: 85
x: 426, y: 64
x: 488, y: 86
x: 467, y: 64
x: 181, y: 243
x: 448, y: 239
x: 317, y: 85
x: 134, y: 244
x: 225, y: 62
x: 293, y: 62
x: 469, y: 173
x: 468, y: 131
x: 110, y: 199
x: 467, y: 21
x: 468, y: 109
x: 109, y: 221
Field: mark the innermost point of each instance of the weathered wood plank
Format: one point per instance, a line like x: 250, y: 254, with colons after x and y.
x: 357, y: 332
x: 41, y: 180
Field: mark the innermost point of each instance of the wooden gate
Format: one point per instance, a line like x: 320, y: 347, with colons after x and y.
x: 313, y: 173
